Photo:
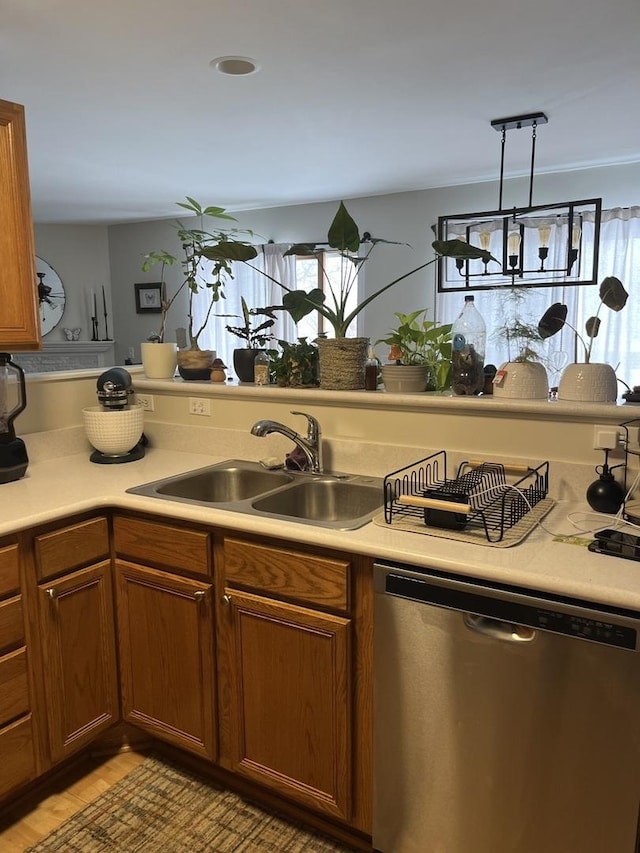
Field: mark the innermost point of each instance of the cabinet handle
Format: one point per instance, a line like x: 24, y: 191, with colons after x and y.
x: 51, y: 593
x: 199, y: 596
x: 226, y: 599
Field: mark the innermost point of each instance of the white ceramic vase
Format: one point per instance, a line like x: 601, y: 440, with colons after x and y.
x: 522, y: 380
x: 159, y: 361
x: 588, y: 383
x: 405, y: 378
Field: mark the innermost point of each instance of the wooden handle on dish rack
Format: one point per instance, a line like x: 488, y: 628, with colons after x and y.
x: 508, y: 466
x: 434, y: 503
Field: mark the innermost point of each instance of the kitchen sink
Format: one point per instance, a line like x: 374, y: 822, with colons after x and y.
x: 234, y: 482
x: 323, y: 500
x: 338, y: 501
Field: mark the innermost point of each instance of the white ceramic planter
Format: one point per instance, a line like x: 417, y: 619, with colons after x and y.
x: 588, y: 383
x: 523, y: 380
x: 159, y: 360
x: 405, y: 378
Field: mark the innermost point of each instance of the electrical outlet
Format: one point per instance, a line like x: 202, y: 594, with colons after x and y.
x: 199, y: 406
x: 146, y: 401
x: 607, y: 437
x: 634, y: 437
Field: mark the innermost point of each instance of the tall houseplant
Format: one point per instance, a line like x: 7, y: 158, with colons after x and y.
x: 193, y: 240
x: 355, y: 250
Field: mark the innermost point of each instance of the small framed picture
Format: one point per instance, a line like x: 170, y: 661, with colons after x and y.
x: 148, y: 298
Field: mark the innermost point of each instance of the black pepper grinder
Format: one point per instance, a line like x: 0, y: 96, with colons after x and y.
x: 605, y: 494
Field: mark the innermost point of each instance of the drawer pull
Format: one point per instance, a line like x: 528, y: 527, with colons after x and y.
x: 199, y: 596
x: 226, y: 599
x: 52, y: 594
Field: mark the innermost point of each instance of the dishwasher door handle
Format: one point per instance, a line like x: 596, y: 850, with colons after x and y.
x: 508, y: 632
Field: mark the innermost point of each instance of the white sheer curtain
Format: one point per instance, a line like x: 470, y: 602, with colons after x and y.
x: 258, y: 292
x: 616, y: 344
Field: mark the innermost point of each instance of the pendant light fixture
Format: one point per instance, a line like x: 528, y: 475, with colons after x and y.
x: 535, y: 246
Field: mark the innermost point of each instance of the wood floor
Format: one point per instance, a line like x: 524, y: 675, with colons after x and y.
x: 34, y: 817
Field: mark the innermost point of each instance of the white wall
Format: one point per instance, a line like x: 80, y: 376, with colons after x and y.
x: 80, y: 256
x: 405, y: 217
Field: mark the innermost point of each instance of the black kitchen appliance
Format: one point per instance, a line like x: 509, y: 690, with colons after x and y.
x: 13, y: 399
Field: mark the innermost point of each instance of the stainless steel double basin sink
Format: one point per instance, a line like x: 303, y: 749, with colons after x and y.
x: 338, y: 501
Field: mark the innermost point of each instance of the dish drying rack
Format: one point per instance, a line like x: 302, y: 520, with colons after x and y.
x: 478, y: 496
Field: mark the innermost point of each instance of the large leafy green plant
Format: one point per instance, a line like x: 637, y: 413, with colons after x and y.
x: 355, y: 250
x: 612, y: 294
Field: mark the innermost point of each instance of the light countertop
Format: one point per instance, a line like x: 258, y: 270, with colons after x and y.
x: 68, y: 484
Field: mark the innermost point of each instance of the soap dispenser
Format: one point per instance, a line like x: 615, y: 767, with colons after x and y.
x: 605, y: 494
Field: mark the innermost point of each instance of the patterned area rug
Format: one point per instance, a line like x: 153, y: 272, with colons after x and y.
x: 159, y: 808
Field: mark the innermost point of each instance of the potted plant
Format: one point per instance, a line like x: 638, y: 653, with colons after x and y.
x: 522, y: 376
x: 421, y: 352
x: 355, y: 250
x: 194, y: 363
x: 589, y: 381
x: 295, y: 364
x: 254, y: 337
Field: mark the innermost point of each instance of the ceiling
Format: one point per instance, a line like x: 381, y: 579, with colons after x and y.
x: 125, y: 116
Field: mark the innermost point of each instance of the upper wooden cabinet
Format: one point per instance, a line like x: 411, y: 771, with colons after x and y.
x: 19, y: 318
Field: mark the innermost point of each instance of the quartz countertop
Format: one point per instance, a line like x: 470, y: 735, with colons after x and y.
x: 58, y: 487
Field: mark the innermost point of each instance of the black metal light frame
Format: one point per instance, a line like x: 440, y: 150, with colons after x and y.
x: 510, y: 268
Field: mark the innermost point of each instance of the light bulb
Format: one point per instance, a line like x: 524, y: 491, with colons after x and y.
x: 513, y: 242
x: 485, y: 240
x: 544, y: 232
x: 575, y: 236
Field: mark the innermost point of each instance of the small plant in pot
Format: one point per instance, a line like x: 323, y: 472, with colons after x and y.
x: 522, y: 376
x: 332, y: 303
x: 420, y: 348
x: 254, y: 337
x: 295, y: 364
x: 588, y: 381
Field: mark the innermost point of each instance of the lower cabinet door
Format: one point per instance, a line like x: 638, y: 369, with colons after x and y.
x: 16, y: 748
x: 166, y: 638
x: 79, y: 656
x: 285, y: 685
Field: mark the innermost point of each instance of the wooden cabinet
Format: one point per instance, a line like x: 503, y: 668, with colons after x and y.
x: 167, y: 667
x: 289, y: 682
x: 19, y: 319
x: 16, y: 723
x: 78, y: 657
x: 165, y: 631
x: 75, y: 620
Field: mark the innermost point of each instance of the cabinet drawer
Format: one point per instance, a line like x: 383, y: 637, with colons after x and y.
x: 71, y: 547
x: 16, y: 749
x: 9, y: 577
x: 14, y: 690
x: 163, y: 545
x: 291, y: 574
x: 11, y: 623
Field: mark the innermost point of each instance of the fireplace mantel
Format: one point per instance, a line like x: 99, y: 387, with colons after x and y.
x: 66, y: 355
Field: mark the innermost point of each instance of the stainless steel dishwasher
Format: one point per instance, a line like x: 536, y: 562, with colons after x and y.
x: 505, y: 721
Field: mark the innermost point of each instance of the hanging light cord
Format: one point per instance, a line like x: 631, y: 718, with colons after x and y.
x: 533, y: 159
x: 502, y: 147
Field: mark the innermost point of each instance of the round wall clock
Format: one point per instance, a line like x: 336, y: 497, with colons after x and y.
x: 51, y: 296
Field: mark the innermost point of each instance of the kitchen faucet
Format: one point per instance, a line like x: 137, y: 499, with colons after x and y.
x: 311, y: 446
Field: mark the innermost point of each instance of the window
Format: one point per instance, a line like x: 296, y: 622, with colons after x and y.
x: 324, y: 271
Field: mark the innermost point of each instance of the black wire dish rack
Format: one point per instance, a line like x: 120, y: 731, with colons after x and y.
x: 487, y: 496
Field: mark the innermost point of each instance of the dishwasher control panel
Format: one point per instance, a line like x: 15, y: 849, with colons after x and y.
x: 516, y: 608
x: 602, y: 631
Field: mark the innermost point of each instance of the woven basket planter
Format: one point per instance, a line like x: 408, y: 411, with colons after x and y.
x: 342, y: 363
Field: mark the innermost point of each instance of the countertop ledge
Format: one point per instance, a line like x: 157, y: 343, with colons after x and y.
x: 70, y: 484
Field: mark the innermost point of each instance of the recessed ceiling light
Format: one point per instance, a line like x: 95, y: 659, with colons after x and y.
x: 236, y: 66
